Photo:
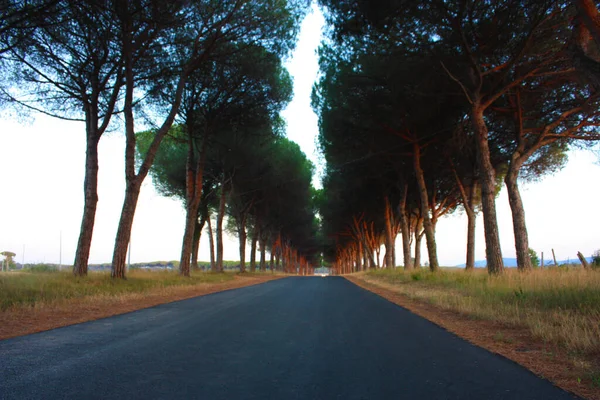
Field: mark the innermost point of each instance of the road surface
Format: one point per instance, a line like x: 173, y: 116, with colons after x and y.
x: 294, y: 338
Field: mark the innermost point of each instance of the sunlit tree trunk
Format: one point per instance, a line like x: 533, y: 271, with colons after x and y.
x: 196, y: 244
x: 405, y: 229
x: 418, y: 237
x: 194, y: 179
x: 197, y: 236
x: 518, y: 216
x: 471, y: 220
x: 389, y: 236
x: 488, y: 192
x: 427, y: 224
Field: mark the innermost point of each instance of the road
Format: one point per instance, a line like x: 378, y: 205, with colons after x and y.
x: 294, y: 338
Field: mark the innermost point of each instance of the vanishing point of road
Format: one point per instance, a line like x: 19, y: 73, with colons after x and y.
x: 293, y: 338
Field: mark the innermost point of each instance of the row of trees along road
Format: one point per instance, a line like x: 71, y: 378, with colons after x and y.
x: 227, y: 157
x: 112, y: 63
x: 429, y: 106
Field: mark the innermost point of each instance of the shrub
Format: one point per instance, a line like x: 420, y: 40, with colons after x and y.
x: 596, y: 259
x: 42, y: 268
x: 535, y: 261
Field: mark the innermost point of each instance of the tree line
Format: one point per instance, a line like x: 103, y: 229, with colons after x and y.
x: 432, y: 106
x: 205, y: 76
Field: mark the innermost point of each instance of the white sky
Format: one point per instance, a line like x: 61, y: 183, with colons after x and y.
x: 42, y: 166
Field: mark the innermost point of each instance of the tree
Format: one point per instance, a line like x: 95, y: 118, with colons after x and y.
x: 247, y: 90
x: 199, y: 34
x: 64, y: 62
x: 496, y: 71
x: 390, y: 123
x: 8, y: 260
x: 596, y: 258
x: 533, y: 257
x: 169, y: 172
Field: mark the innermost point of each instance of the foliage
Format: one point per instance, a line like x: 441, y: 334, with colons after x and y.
x: 596, y: 259
x: 8, y: 262
x: 437, y: 82
x: 41, y: 268
x: 535, y: 261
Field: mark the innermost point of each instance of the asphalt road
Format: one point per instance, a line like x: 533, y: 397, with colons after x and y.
x: 294, y: 338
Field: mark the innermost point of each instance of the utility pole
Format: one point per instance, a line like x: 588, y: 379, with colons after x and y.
x: 23, y: 258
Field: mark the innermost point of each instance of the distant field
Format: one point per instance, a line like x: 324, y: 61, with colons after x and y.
x: 558, y: 305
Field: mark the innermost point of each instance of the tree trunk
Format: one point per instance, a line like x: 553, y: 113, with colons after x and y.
x: 427, y: 225
x: 242, y: 238
x: 418, y: 238
x: 389, y: 237
x: 271, y: 260
x: 132, y: 193
x: 471, y: 219
x: 90, y: 188
x: 132, y: 181
x: 220, y: 216
x: 211, y: 240
x: 191, y: 221
x: 196, y: 247
x: 263, y: 249
x: 405, y: 230
x: 194, y: 180
x: 253, y: 249
x: 419, y: 232
x: 588, y: 12
x: 468, y: 201
x: 488, y: 193
x: 518, y: 217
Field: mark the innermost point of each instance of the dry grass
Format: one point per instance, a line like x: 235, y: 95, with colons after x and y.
x: 35, y: 289
x: 546, y: 320
x: 557, y: 305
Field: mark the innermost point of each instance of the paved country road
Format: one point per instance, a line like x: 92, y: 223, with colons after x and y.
x: 294, y: 338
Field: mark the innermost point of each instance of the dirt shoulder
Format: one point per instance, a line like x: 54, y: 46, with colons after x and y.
x: 514, y: 343
x: 26, y: 320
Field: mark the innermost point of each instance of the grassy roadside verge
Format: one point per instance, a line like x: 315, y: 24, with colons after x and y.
x: 548, y: 321
x: 33, y: 302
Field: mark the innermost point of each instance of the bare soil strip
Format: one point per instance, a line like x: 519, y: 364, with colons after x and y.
x: 517, y: 344
x: 25, y: 320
